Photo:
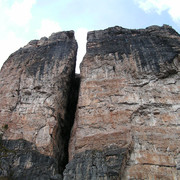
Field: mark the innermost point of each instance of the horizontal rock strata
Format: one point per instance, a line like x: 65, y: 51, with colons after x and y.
x: 129, y: 98
x: 35, y: 83
x: 127, y: 120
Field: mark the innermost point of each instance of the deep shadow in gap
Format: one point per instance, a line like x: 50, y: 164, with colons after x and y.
x: 69, y: 120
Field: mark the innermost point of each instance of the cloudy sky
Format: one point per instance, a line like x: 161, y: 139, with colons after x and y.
x: 25, y: 20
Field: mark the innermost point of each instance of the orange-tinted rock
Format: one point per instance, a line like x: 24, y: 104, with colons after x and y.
x: 130, y: 97
x: 35, y: 85
x: 150, y: 172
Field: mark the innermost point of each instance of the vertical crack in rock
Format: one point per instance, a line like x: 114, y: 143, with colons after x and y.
x: 128, y: 107
x: 18, y: 95
x: 66, y: 125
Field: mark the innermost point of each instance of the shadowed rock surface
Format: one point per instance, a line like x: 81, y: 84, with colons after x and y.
x: 20, y: 160
x: 130, y: 97
x: 35, y: 84
x: 95, y: 164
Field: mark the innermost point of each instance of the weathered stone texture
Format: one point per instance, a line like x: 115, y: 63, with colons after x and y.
x: 20, y: 160
x: 35, y: 84
x: 130, y: 97
x: 96, y: 164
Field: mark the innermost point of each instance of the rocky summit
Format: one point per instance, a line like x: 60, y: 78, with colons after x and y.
x: 35, y: 84
x: 130, y: 98
x: 124, y: 116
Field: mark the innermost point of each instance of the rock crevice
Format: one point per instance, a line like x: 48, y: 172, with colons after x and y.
x: 124, y: 107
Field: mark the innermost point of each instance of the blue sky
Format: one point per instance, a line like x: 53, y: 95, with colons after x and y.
x: 25, y: 20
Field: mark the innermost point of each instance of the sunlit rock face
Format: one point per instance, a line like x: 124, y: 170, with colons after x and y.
x: 129, y: 98
x: 127, y: 122
x: 35, y: 84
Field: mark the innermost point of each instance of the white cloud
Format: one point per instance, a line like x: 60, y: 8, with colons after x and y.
x: 172, y: 6
x: 15, y: 17
x: 9, y: 43
x: 81, y: 37
x: 2, y: 2
x: 20, y: 12
x: 48, y: 27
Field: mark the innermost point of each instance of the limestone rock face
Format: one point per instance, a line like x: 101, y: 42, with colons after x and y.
x: 20, y: 160
x: 35, y: 84
x: 129, y: 98
x: 127, y: 122
x: 97, y: 164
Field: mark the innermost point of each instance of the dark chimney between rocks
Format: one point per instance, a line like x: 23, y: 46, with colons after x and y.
x: 69, y: 120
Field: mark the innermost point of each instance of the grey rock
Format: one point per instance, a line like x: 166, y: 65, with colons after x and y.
x: 20, y: 160
x: 106, y: 164
x: 178, y: 162
x: 152, y: 48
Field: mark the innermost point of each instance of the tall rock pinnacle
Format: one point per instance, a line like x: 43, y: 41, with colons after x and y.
x: 127, y: 122
x: 35, y: 84
x: 129, y: 104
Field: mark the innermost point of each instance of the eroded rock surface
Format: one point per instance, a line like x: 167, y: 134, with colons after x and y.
x: 21, y: 160
x: 127, y: 121
x: 97, y: 164
x: 35, y: 83
x: 130, y: 98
